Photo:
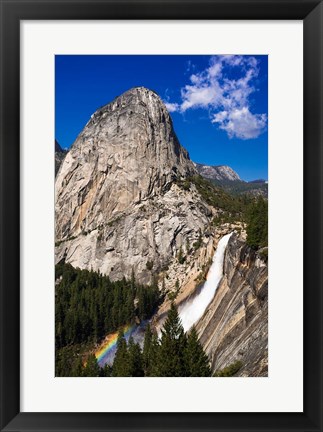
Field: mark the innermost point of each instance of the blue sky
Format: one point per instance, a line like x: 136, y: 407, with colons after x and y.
x: 219, y: 104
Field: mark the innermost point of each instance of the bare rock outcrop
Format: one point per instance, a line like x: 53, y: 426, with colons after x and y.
x: 217, y: 172
x: 118, y: 207
x: 235, y: 325
x: 59, y: 156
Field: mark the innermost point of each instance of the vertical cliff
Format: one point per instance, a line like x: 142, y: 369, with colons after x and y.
x: 118, y: 207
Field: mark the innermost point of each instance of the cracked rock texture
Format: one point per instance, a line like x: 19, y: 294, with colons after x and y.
x: 117, y: 203
x: 235, y: 325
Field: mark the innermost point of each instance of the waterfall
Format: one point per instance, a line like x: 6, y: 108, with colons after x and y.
x: 192, y: 310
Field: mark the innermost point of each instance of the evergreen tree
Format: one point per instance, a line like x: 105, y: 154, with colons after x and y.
x: 257, y: 228
x: 92, y: 368
x: 135, y: 359
x: 196, y: 361
x: 133, y: 280
x: 78, y: 369
x: 130, y: 303
x: 62, y: 363
x: 88, y: 305
x: 106, y: 371
x: 147, y: 347
x: 121, y: 364
x: 177, y: 285
x: 181, y: 258
x: 187, y: 246
x: 150, y: 352
x: 152, y: 368
x: 173, y: 341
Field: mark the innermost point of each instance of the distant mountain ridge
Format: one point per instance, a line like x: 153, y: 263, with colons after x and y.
x: 217, y: 172
x: 226, y: 178
x: 258, y: 181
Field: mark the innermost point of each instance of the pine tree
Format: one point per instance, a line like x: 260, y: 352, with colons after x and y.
x: 78, y: 369
x: 257, y: 228
x: 106, y: 371
x: 133, y: 280
x: 152, y: 369
x: 147, y: 347
x: 173, y: 341
x: 92, y: 368
x: 121, y: 366
x: 130, y: 304
x: 177, y: 285
x: 196, y: 361
x: 135, y: 359
x: 150, y: 352
x: 181, y: 258
x: 187, y: 246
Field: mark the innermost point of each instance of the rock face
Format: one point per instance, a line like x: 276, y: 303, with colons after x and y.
x: 217, y: 172
x: 118, y: 207
x: 59, y: 156
x: 235, y: 325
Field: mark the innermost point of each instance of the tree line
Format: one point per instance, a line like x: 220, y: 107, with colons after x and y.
x: 88, y: 305
x: 174, y: 354
x: 257, y: 223
x: 233, y: 208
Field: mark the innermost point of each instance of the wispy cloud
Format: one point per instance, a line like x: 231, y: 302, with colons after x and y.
x: 172, y: 107
x: 226, y: 98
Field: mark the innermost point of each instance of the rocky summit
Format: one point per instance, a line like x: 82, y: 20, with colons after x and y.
x: 217, y: 172
x: 118, y: 206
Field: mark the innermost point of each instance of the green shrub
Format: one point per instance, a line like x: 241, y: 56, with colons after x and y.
x: 230, y: 370
x: 149, y: 265
x: 172, y: 296
x: 181, y: 258
x: 198, y: 243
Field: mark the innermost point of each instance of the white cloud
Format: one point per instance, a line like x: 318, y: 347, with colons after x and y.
x: 198, y: 96
x: 241, y: 123
x: 226, y: 98
x: 172, y: 107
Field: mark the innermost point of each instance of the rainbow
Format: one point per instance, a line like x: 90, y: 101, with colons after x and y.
x: 110, y: 342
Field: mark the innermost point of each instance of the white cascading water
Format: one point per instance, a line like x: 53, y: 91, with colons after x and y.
x: 192, y: 310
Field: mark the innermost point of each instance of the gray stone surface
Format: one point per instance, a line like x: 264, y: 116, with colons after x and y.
x: 117, y: 202
x: 235, y: 326
x: 217, y: 172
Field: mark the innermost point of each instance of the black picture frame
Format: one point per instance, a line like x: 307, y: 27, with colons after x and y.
x: 12, y: 12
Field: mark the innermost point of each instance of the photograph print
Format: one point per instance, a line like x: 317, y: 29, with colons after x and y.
x: 161, y: 216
